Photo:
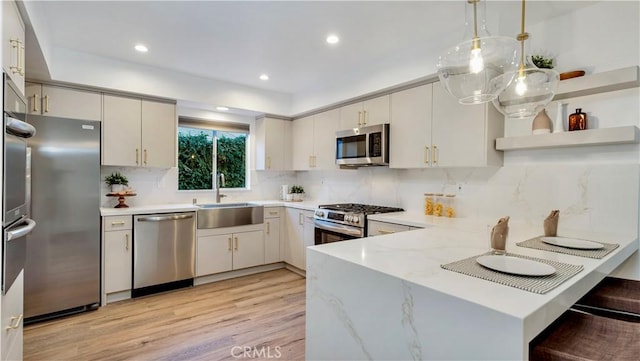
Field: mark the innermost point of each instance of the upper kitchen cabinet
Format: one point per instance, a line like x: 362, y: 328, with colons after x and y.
x: 138, y: 132
x: 273, y: 144
x: 63, y: 102
x: 370, y: 112
x: 302, y: 143
x: 410, y: 136
x: 464, y: 135
x: 13, y: 61
x: 313, y: 141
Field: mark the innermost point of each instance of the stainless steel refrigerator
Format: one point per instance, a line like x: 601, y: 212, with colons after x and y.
x: 62, y: 269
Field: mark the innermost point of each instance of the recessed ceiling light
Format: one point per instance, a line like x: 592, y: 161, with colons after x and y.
x: 264, y: 77
x: 141, y: 48
x: 333, y: 39
x: 222, y: 108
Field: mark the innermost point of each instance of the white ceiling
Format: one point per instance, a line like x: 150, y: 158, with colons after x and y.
x: 238, y: 40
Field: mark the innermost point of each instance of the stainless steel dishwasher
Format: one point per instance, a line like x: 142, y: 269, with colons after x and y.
x: 163, y: 252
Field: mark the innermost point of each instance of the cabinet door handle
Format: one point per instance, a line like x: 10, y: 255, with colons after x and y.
x: 35, y: 102
x: 268, y: 162
x: 17, y: 69
x: 14, y: 322
x: 364, y: 117
x: 22, y: 66
x: 268, y: 228
x: 137, y: 156
x: 126, y: 242
x: 118, y: 223
x: 384, y: 231
x: 359, y: 116
x: 300, y: 219
x: 145, y: 157
x: 273, y: 213
x: 229, y: 243
x: 46, y: 104
x: 427, y: 154
x: 236, y: 239
x: 435, y: 154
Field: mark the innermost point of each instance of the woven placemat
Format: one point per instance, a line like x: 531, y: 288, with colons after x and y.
x: 537, y: 243
x: 535, y: 284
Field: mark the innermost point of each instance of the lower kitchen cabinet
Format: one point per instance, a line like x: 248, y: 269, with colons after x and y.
x: 118, y: 258
x: 219, y: 250
x: 377, y: 228
x: 300, y: 234
x: 12, y: 320
x: 272, y: 223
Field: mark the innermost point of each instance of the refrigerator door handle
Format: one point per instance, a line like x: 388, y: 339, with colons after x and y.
x: 21, y: 231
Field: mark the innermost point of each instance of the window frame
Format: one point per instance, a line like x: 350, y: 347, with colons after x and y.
x: 216, y: 126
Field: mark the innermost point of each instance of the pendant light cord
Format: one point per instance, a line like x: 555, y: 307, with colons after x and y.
x: 476, y: 42
x: 522, y: 37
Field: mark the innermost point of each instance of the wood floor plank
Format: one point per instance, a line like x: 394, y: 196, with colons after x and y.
x: 263, y: 312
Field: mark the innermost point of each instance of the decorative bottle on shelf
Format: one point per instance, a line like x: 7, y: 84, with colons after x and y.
x: 578, y: 120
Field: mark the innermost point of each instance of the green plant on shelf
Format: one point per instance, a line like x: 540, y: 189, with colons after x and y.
x: 297, y: 189
x: 542, y: 61
x: 116, y: 178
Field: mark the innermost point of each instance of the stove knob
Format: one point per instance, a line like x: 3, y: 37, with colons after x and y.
x: 355, y: 219
x: 320, y: 213
x: 347, y: 218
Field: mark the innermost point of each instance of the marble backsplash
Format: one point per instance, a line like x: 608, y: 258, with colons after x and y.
x: 595, y: 197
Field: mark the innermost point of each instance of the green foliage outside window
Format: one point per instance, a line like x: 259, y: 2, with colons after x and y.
x: 232, y: 160
x: 195, y: 159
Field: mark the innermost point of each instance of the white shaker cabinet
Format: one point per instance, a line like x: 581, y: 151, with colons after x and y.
x: 272, y: 222
x: 410, y: 138
x: 13, y: 43
x: 63, y: 102
x: 118, y: 242
x: 370, y: 112
x: 300, y: 234
x: 138, y: 132
x: 464, y: 135
x: 273, y: 144
x: 226, y: 249
x: 313, y: 141
x: 302, y: 143
x: 13, y: 320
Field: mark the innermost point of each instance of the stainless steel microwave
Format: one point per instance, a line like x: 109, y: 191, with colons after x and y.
x: 366, y: 146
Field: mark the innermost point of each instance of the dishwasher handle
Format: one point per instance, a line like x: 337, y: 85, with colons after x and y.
x: 173, y: 217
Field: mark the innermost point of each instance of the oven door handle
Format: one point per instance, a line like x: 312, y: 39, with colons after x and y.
x: 19, y: 128
x: 328, y: 226
x: 21, y: 231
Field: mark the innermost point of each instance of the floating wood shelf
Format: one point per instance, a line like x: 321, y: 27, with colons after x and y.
x: 607, y: 81
x: 603, y: 136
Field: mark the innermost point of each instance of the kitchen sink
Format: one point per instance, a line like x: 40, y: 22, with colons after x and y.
x: 224, y: 205
x: 218, y: 215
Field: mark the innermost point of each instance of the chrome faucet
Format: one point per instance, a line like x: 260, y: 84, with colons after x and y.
x: 219, y: 184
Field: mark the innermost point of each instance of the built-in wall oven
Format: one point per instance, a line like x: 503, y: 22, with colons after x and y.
x: 341, y: 222
x: 15, y: 223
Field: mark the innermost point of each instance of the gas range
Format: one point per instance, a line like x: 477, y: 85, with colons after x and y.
x: 350, y: 214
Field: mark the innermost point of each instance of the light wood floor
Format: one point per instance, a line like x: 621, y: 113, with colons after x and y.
x: 264, y: 312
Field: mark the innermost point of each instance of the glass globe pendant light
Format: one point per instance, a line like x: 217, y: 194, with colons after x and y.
x: 531, y: 90
x: 470, y: 70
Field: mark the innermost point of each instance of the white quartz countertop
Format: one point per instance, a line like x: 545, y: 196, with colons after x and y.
x: 186, y: 207
x: 415, y: 256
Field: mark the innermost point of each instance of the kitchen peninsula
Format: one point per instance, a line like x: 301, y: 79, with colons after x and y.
x: 387, y: 297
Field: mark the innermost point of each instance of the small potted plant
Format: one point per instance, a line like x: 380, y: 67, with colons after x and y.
x: 298, y: 192
x: 116, y: 181
x: 542, y: 61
